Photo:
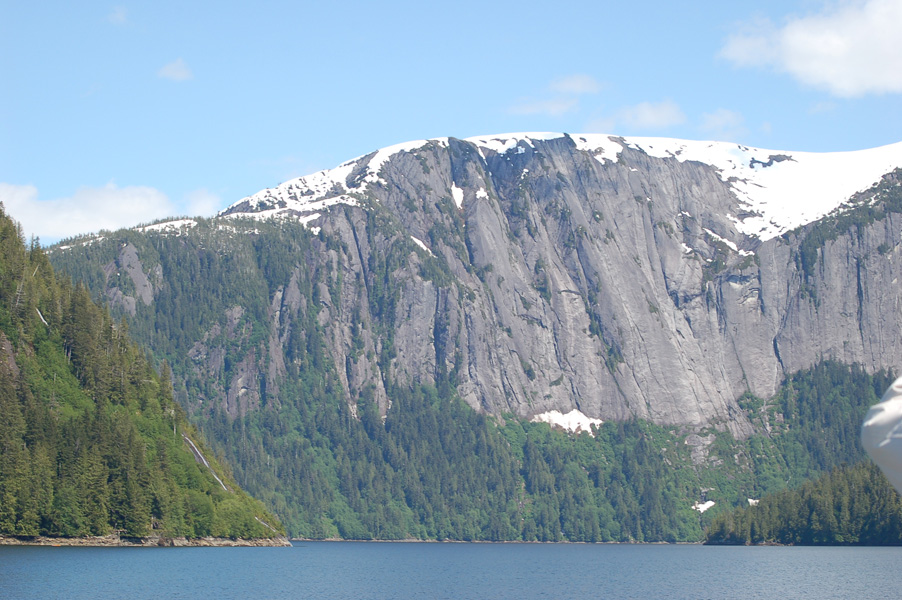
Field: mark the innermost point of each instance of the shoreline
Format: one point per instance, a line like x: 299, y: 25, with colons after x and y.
x: 430, y: 541
x: 115, y: 541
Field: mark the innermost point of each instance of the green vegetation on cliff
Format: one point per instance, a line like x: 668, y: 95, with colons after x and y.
x: 436, y: 469
x: 91, y: 440
x: 246, y: 313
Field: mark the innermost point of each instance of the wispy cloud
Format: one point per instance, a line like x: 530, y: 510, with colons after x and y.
x: 118, y: 16
x: 564, y: 95
x: 651, y: 115
x: 89, y: 209
x: 553, y: 108
x: 820, y: 108
x: 576, y: 85
x: 724, y: 125
x: 852, y: 48
x: 644, y: 116
x: 177, y: 70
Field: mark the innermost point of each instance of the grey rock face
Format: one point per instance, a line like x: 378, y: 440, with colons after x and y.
x: 142, y: 288
x: 611, y: 287
x: 543, y: 278
x: 571, y: 284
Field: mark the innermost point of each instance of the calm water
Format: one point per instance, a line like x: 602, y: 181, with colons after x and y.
x: 483, y: 571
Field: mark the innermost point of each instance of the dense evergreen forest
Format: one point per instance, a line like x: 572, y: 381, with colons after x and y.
x: 438, y: 470
x: 849, y: 506
x: 430, y: 467
x: 91, y: 440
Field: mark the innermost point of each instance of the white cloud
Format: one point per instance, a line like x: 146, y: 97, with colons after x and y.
x: 118, y: 16
x: 850, y: 49
x: 576, y: 85
x: 753, y: 46
x: 724, y: 125
x: 554, y: 108
x: 89, y: 210
x: 177, y: 70
x: 642, y: 116
x: 651, y: 115
x: 202, y: 203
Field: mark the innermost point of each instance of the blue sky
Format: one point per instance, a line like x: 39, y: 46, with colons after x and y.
x: 112, y: 114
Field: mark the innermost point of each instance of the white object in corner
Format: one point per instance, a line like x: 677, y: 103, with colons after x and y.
x: 881, y: 434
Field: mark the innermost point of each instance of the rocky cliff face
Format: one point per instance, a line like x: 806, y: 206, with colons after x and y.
x: 546, y: 273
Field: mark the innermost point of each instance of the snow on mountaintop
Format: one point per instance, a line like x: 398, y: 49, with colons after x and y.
x: 781, y: 189
x: 315, y: 192
x: 503, y: 143
x: 787, y: 189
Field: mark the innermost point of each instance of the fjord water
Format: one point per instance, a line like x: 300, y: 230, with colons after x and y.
x: 334, y: 570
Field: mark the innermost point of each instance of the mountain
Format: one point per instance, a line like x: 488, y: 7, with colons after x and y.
x: 91, y: 440
x: 583, y: 280
x: 647, y: 277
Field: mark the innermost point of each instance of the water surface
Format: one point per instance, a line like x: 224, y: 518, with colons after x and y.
x: 334, y: 570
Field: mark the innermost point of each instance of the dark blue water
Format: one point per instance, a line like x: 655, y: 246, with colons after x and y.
x: 483, y: 571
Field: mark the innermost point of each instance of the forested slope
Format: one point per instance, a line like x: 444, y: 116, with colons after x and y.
x: 848, y: 506
x: 91, y: 440
x: 244, y: 311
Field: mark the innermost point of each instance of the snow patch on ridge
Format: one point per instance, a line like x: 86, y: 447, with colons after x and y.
x: 169, y: 226
x: 89, y: 241
x: 500, y: 144
x: 313, y: 193
x: 781, y: 190
x: 574, y: 420
x: 785, y: 189
x: 603, y: 147
x: 382, y: 156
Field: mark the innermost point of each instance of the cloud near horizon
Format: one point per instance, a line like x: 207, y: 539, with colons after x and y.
x: 92, y: 209
x: 851, y: 49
